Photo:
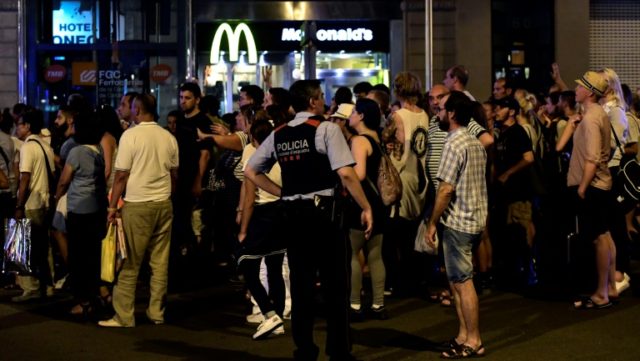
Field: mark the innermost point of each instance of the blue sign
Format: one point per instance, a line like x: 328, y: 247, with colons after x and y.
x: 72, y: 25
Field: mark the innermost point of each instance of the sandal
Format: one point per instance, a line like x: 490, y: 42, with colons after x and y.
x: 589, y: 304
x: 446, y: 300
x: 452, y: 344
x: 82, y: 310
x: 465, y: 351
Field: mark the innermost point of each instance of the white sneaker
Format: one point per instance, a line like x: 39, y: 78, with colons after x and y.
x: 256, y: 318
x: 111, y: 323
x: 278, y: 331
x: 624, y: 284
x: 26, y: 296
x: 267, y: 327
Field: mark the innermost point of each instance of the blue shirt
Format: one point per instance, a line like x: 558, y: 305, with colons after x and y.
x: 87, y: 192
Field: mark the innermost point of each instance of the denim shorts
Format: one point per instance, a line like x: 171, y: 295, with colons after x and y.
x: 458, y: 254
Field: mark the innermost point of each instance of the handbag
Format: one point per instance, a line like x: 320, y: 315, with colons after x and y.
x: 388, y: 185
x: 627, y: 181
x: 17, y: 245
x: 108, y: 258
x: 221, y: 177
x: 420, y: 243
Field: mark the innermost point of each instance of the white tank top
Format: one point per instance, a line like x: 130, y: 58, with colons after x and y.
x: 411, y: 165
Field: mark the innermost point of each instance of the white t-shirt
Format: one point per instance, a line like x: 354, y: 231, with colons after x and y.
x: 274, y: 174
x: 32, y: 160
x: 148, y: 152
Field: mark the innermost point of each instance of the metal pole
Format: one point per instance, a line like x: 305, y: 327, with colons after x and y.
x: 229, y: 95
x: 428, y: 45
x: 22, y: 95
x: 190, y: 74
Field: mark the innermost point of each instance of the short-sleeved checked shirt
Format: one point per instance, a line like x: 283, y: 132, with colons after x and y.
x: 463, y: 165
x: 436, y: 138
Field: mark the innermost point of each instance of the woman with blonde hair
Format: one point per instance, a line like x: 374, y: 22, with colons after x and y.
x: 614, y: 105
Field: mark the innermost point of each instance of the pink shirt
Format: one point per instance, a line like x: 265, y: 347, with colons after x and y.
x: 591, y: 143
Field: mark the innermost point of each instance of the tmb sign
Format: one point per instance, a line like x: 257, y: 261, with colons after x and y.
x: 55, y: 73
x: 160, y: 73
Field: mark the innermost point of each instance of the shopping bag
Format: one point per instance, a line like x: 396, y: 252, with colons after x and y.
x: 17, y: 246
x: 420, y: 244
x: 108, y: 259
x: 121, y: 246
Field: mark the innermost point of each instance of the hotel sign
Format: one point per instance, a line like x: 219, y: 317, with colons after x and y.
x: 72, y: 25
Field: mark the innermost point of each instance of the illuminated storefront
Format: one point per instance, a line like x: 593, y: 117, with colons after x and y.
x: 103, y: 49
x: 271, y: 54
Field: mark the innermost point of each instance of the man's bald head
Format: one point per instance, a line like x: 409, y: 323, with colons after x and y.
x: 436, y: 94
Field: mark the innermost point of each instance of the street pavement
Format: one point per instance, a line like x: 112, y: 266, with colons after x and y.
x: 209, y: 324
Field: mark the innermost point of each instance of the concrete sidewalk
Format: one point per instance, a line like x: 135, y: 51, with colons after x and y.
x: 209, y: 324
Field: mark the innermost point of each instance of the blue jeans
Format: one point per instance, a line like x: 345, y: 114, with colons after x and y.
x: 458, y: 254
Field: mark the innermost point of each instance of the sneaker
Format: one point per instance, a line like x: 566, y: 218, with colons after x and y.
x: 278, y: 331
x: 267, y: 327
x: 26, y: 296
x: 356, y: 315
x: 379, y: 313
x: 624, y: 284
x: 286, y: 315
x: 255, y: 318
x: 111, y: 323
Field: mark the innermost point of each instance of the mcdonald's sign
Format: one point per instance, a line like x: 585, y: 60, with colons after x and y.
x: 233, y: 37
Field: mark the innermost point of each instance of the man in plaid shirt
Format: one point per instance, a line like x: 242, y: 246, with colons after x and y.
x: 461, y: 206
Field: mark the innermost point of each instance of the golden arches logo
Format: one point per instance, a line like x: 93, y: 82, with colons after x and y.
x: 233, y: 36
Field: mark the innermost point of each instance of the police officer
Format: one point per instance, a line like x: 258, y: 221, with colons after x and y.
x: 314, y: 157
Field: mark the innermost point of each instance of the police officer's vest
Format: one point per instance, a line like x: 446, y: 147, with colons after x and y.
x: 304, y: 170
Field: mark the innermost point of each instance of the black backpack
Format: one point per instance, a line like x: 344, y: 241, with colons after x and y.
x: 627, y: 182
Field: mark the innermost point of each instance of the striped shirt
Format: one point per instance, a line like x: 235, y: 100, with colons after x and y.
x: 436, y: 138
x: 463, y: 166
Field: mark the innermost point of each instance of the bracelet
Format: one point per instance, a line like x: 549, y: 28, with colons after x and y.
x: 238, y: 210
x: 111, y: 209
x: 19, y: 207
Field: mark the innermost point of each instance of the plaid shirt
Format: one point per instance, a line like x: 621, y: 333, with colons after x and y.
x: 463, y: 165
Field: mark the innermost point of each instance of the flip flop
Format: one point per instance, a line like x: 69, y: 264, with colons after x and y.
x: 589, y: 304
x: 465, y: 351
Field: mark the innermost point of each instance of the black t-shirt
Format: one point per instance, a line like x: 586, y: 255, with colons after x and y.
x: 510, y: 148
x: 189, y: 147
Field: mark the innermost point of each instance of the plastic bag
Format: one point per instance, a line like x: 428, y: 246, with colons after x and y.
x: 17, y: 245
x: 421, y: 245
x: 108, y: 259
x: 121, y: 250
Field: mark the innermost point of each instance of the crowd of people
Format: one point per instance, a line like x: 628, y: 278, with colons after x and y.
x: 283, y: 194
